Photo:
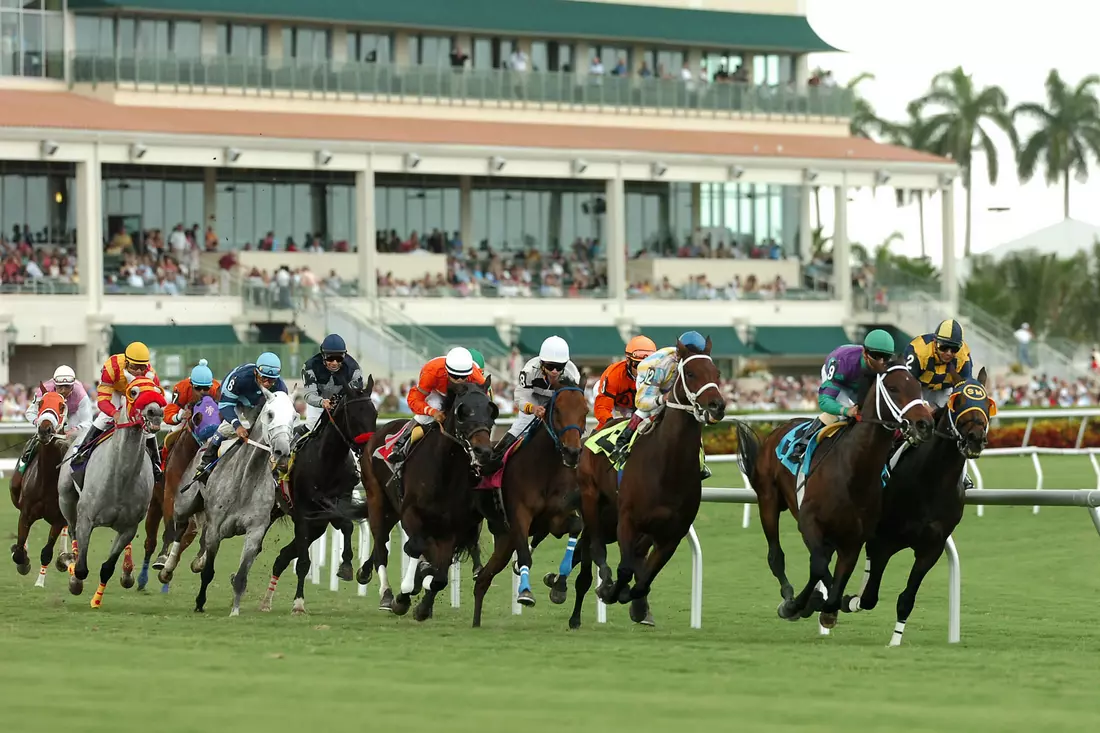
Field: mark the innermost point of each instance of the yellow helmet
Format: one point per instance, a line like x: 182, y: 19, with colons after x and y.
x: 137, y: 353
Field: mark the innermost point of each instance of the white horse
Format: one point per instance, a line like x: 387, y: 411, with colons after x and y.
x: 239, y: 495
x: 117, y: 486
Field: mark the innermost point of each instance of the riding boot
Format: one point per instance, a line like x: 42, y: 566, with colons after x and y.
x: 28, y: 454
x: 623, y: 442
x: 397, y: 457
x: 300, y: 432
x: 154, y: 456
x: 208, y: 457
x: 799, y: 450
x: 93, y: 433
x: 501, y: 448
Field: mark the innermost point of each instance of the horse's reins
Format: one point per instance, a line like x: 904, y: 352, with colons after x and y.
x: 692, y: 397
x: 548, y: 421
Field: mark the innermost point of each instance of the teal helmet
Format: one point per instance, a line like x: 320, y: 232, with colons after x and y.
x: 201, y: 376
x: 269, y: 365
x: 693, y: 340
x: 478, y: 359
x: 879, y: 343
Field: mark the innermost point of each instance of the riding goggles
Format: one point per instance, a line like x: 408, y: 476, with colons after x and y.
x: 553, y: 366
x: 335, y: 356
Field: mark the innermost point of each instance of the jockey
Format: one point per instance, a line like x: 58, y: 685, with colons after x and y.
x: 656, y: 376
x: 78, y: 410
x: 118, y: 371
x: 241, y: 400
x: 186, y: 394
x: 841, y: 374
x: 533, y: 392
x: 427, y: 396
x: 938, y: 361
x: 324, y: 377
x: 618, y: 384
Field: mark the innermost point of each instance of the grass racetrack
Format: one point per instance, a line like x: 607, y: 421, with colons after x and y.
x: 146, y: 662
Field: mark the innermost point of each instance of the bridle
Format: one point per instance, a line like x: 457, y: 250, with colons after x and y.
x: 699, y: 412
x: 464, y: 440
x: 557, y: 435
x: 897, y: 419
x: 957, y: 436
x: 354, y: 446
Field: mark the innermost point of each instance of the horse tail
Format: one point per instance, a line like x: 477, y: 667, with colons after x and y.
x: 748, y: 450
x: 348, y: 508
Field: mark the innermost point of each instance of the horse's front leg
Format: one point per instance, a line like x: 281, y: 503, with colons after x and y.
x: 878, y: 557
x: 925, y: 558
x: 253, y: 543
x: 557, y: 582
x: 767, y: 497
x: 46, y: 555
x: 152, y: 527
x: 846, y: 558
x: 439, y: 554
x: 19, y: 550
x: 107, y: 569
x: 583, y: 582
x: 519, y: 526
x: 346, y: 572
x: 502, y: 552
x: 305, y: 534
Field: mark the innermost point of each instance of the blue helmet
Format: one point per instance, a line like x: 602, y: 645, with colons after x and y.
x: 333, y: 344
x: 693, y: 340
x: 201, y: 376
x: 269, y: 365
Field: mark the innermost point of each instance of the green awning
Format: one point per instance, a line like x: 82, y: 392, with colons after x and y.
x: 547, y: 19
x: 799, y: 340
x: 485, y: 339
x: 724, y: 341
x: 159, y: 336
x: 585, y: 342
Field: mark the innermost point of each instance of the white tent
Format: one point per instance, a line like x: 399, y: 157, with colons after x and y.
x: 1064, y: 239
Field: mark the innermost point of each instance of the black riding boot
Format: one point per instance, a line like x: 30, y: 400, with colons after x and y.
x: 300, y: 432
x: 501, y: 448
x: 397, y: 457
x: 208, y: 457
x: 93, y: 433
x: 154, y: 455
x: 799, y: 450
x: 28, y: 454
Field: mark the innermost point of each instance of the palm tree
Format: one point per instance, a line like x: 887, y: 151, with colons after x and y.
x: 1069, y: 131
x: 955, y: 129
x: 912, y: 134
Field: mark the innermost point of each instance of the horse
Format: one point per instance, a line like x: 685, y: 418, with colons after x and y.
x: 436, y: 508
x: 659, y: 491
x: 321, y: 478
x: 239, y: 495
x: 180, y: 449
x: 923, y: 500
x: 539, y: 485
x: 36, y: 498
x: 117, y: 484
x: 838, y: 506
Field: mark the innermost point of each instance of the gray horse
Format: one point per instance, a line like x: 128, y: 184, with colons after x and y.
x: 117, y: 485
x: 239, y: 494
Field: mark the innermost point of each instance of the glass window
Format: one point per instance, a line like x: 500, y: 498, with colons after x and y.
x: 483, y: 53
x: 34, y: 45
x: 10, y: 63
x: 226, y: 221
x: 193, y: 204
x: 341, y: 213
x: 186, y: 39
x: 152, y: 39
x: 12, y: 202
x: 561, y: 56
x: 223, y: 39
x: 540, y: 56
x: 127, y: 37
x: 435, y: 51
x: 370, y: 48
x: 152, y: 205
x: 244, y: 222
x: 263, y: 207
x: 615, y: 60
x: 303, y: 211
x: 94, y: 35
x: 669, y: 63
x: 244, y: 40
x: 55, y: 45
x: 174, y: 207
x: 284, y: 213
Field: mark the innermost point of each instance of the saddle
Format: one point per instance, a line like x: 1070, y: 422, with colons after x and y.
x: 496, y: 478
x: 79, y: 462
x: 603, y: 443
x: 788, y: 442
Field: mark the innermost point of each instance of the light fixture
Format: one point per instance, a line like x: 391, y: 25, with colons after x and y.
x: 49, y: 148
x: 946, y: 179
x: 881, y: 178
x: 736, y: 171
x: 497, y: 163
x: 809, y: 175
x: 658, y: 169
x: 137, y: 151
x: 323, y: 157
x: 411, y: 160
x: 58, y: 197
x: 579, y: 166
x: 232, y: 155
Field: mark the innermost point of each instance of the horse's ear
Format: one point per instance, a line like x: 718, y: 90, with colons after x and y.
x: 488, y: 382
x: 992, y: 406
x: 706, y: 349
x: 681, y: 350
x: 951, y: 400
x: 369, y: 387
x: 983, y: 377
x: 268, y: 394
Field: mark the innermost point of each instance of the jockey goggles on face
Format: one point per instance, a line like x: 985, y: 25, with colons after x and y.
x: 335, y: 356
x: 878, y: 355
x: 942, y: 346
x: 552, y: 366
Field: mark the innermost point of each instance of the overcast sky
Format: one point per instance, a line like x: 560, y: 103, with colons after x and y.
x: 1011, y: 44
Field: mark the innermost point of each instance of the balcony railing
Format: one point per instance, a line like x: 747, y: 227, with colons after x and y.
x: 261, y: 76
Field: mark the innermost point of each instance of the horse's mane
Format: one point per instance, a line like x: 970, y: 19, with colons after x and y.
x: 566, y: 381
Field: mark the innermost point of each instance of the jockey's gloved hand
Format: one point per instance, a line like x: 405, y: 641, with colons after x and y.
x: 439, y: 416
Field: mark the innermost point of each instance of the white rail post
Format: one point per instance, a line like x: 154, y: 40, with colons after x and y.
x: 696, y: 579
x: 601, y: 611
x: 455, y: 582
x: 746, y: 516
x: 323, y: 540
x: 1038, y: 478
x: 1027, y: 431
x: 1081, y: 433
x: 364, y: 553
x: 335, y: 559
x: 1095, y: 468
x: 978, y: 483
x: 316, y: 552
x: 954, y: 592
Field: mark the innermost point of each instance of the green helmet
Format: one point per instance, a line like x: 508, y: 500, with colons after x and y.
x: 478, y: 359
x: 879, y: 342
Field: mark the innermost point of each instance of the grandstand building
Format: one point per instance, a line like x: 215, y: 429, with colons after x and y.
x: 427, y: 173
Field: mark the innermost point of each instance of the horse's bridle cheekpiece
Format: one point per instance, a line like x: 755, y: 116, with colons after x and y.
x: 882, y: 396
x: 697, y: 411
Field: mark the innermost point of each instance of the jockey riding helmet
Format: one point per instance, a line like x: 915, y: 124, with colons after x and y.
x: 478, y: 359
x: 693, y: 340
x: 269, y: 365
x: 554, y: 353
x: 639, y: 348
x: 201, y: 376
x: 949, y: 334
x: 333, y: 345
x: 459, y: 363
x: 64, y: 376
x: 137, y: 355
x: 879, y: 344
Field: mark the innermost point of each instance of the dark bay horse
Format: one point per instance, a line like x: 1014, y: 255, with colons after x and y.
x: 659, y: 492
x: 436, y: 502
x: 36, y: 496
x: 923, y: 500
x: 322, y: 478
x: 539, y: 485
x: 840, y: 505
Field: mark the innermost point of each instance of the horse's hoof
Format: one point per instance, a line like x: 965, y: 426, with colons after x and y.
x: 814, y: 604
x: 574, y: 623
x: 23, y: 569
x: 525, y: 598
x: 346, y: 572
x: 401, y: 604
x: 850, y: 604
x: 625, y: 595
x: 603, y: 592
x: 62, y: 562
x: 828, y: 620
x: 234, y: 612
x: 164, y: 588
x: 76, y: 585
x: 386, y: 603
x: 165, y: 576
x: 299, y: 608
x: 422, y: 612
x: 126, y: 581
x: 200, y: 609
x: 559, y: 591
x: 786, y: 612
x: 364, y: 575
x: 159, y: 563
x: 639, y: 613
x: 198, y: 563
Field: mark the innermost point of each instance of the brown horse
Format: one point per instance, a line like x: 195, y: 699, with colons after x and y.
x: 180, y: 449
x: 437, y: 508
x: 36, y: 495
x: 659, y: 491
x: 842, y: 498
x: 539, y: 484
x: 923, y: 500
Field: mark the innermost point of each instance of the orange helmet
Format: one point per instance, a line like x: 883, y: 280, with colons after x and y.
x: 639, y: 348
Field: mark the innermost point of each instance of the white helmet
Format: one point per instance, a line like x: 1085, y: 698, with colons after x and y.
x: 64, y: 376
x: 554, y: 351
x: 460, y: 363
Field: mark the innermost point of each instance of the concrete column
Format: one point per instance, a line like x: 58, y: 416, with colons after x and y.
x: 96, y: 349
x: 210, y: 198
x: 696, y: 213
x: 209, y: 38
x: 801, y: 71
x: 842, y: 252
x: 338, y: 46
x: 275, y: 51
x: 948, y: 280
x: 365, y: 232
x: 615, y: 238
x: 582, y: 59
x: 805, y: 222
x: 466, y: 212
x: 401, y: 50
x: 69, y: 41
x: 6, y: 319
x: 89, y: 229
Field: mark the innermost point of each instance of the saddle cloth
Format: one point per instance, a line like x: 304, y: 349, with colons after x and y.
x: 383, y: 451
x: 602, y: 443
x: 494, y: 480
x: 801, y: 469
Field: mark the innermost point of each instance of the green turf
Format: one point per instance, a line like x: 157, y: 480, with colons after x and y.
x: 145, y: 662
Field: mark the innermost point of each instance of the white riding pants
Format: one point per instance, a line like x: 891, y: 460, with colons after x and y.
x: 937, y: 398
x: 434, y: 400
x: 313, y: 415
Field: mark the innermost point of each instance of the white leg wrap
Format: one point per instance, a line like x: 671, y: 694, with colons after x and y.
x: 408, y: 580
x: 383, y: 579
x: 899, y: 629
